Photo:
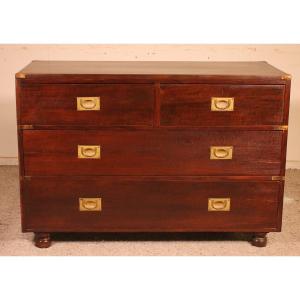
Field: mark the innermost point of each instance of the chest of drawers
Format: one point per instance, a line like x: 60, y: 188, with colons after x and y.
x: 151, y: 147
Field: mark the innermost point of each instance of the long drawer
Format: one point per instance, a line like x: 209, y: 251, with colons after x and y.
x: 113, y: 203
x: 221, y: 104
x: 87, y: 104
x: 152, y: 152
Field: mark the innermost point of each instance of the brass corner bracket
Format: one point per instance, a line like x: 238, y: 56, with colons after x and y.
x: 278, y: 178
x: 286, y: 77
x: 20, y: 75
x: 283, y: 127
x: 26, y: 126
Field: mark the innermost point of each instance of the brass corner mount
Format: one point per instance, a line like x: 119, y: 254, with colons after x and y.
x: 278, y: 178
x: 286, y: 77
x: 20, y: 75
x: 283, y: 127
x: 26, y: 126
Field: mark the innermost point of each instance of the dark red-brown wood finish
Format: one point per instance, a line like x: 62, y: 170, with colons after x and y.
x: 136, y: 203
x: 47, y: 104
x: 155, y: 128
x: 189, y: 104
x: 135, y: 152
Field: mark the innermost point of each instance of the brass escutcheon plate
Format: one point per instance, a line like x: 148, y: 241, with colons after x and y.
x: 221, y: 152
x: 222, y: 104
x: 88, y: 103
x: 219, y: 204
x: 90, y: 204
x: 89, y: 151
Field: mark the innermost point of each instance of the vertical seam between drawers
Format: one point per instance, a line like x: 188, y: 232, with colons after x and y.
x: 156, y: 116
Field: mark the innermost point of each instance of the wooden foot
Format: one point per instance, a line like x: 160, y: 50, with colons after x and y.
x: 42, y: 240
x: 259, y: 239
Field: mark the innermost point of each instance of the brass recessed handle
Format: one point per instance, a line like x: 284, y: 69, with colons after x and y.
x: 90, y: 204
x: 89, y: 151
x: 222, y: 104
x: 219, y: 204
x: 221, y: 152
x: 88, y: 103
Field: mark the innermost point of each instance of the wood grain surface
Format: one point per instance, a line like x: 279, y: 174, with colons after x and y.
x: 55, y: 104
x: 149, y: 71
x: 152, y: 152
x: 148, y: 204
x: 190, y: 105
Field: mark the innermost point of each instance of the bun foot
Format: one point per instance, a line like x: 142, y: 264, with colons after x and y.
x: 259, y: 240
x: 42, y: 240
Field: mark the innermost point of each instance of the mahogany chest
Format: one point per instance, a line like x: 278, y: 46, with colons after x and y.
x: 152, y: 147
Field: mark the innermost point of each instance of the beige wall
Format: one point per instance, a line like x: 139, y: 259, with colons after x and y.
x: 15, y: 57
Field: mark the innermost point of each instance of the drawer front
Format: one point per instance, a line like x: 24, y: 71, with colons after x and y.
x: 152, y: 152
x: 221, y: 105
x: 87, y: 104
x: 149, y: 204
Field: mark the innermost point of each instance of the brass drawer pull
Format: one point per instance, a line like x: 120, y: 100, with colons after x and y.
x: 221, y: 152
x: 89, y: 151
x: 90, y: 204
x: 222, y: 104
x: 219, y: 204
x: 88, y: 103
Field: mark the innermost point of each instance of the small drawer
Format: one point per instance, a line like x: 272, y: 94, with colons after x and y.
x: 87, y: 104
x: 116, y: 203
x: 221, y: 105
x: 152, y: 152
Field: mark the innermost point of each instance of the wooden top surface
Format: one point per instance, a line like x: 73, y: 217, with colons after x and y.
x: 149, y: 69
